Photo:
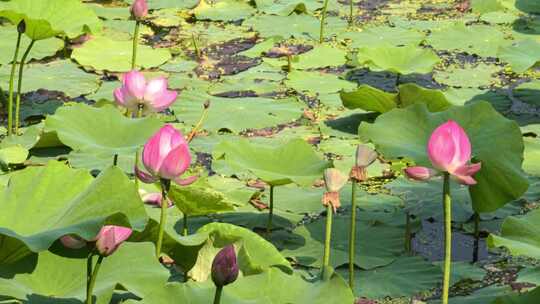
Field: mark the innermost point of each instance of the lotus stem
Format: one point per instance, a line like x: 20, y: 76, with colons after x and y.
x: 351, y: 9
x: 289, y: 62
x: 352, y: 235
x: 476, y: 237
x: 447, y: 201
x: 137, y: 157
x: 185, y: 231
x: 19, y: 85
x: 115, y: 160
x: 270, y: 211
x: 135, y: 42
x: 217, y: 295
x: 11, y: 84
x: 327, y: 240
x: 93, y: 280
x: 196, y: 47
x: 408, y: 234
x: 199, y: 124
x: 89, y: 261
x: 323, y: 19
x: 165, y: 185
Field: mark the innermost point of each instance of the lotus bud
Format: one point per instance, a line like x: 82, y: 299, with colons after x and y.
x: 153, y: 198
x: 365, y: 156
x: 110, y: 238
x: 139, y: 9
x: 72, y: 241
x: 334, y: 180
x: 21, y: 27
x: 420, y: 173
x: 225, y: 267
x: 449, y: 150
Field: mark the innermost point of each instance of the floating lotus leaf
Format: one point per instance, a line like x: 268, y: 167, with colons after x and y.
x: 468, y: 76
x: 76, y: 204
x: 402, y: 60
x: 62, y: 76
x: 317, y: 82
x: 41, y: 49
x: 292, y: 162
x: 522, y: 55
x: 520, y: 235
x: 223, y: 10
x: 46, y: 19
x: 199, y: 199
x: 383, y: 36
x: 405, y: 132
x: 530, y: 297
x: 320, y: 57
x: 102, y: 53
x: 298, y: 26
x: 58, y: 279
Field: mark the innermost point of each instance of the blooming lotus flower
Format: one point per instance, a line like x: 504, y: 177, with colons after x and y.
x: 334, y: 180
x: 449, y: 150
x: 109, y: 238
x: 135, y: 91
x: 139, y: 9
x: 225, y: 267
x: 166, y: 156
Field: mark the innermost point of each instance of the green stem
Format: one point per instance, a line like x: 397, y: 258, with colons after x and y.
x: 135, y: 42
x: 11, y: 84
x: 19, y: 86
x: 137, y: 157
x: 352, y: 235
x: 115, y: 160
x: 270, y: 212
x: 327, y: 239
x: 289, y: 62
x: 89, y: 261
x: 93, y: 280
x: 196, y: 47
x: 323, y: 19
x: 185, y: 227
x: 351, y: 5
x: 476, y: 237
x: 447, y: 201
x: 217, y: 296
x: 165, y: 185
x: 408, y: 234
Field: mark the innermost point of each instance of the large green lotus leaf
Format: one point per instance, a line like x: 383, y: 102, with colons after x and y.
x: 255, y: 254
x: 379, y: 36
x: 292, y: 162
x: 57, y: 279
x: 158, y: 4
x: 528, y: 92
x: 477, y: 39
x: 531, y: 163
x: 104, y: 131
x: 66, y: 201
x: 223, y: 10
x: 110, y: 12
x: 199, y: 199
x: 530, y: 297
x: 230, y: 113
x: 233, y: 189
x: 273, y: 287
x: 263, y: 79
x: 317, y: 82
x: 298, y: 26
x: 529, y: 275
x: 12, y: 155
x: 369, y: 98
x: 521, y: 235
x: 402, y: 60
x: 405, y: 133
x: 63, y: 76
x: 484, y: 295
x: 46, y: 19
x: 320, y: 57
x: 424, y: 199
x: 467, y: 76
x: 380, y: 245
x: 522, y: 55
x: 406, y: 276
x: 527, y: 6
x: 102, y: 53
x: 285, y: 8
x: 41, y: 49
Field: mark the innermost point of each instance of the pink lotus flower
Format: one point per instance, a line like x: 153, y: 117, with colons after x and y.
x: 107, y: 241
x: 166, y: 156
x: 139, y: 9
x: 135, y: 91
x: 449, y: 150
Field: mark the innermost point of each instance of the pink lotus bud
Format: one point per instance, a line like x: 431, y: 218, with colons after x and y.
x: 153, y: 198
x: 420, y: 173
x: 153, y: 96
x: 449, y: 150
x: 365, y: 156
x: 73, y: 241
x: 110, y: 238
x: 225, y: 267
x: 139, y: 9
x: 166, y: 155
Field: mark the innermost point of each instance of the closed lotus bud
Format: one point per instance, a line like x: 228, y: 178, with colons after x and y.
x: 420, y: 173
x: 225, y: 267
x: 334, y: 180
x: 21, y: 27
x: 139, y: 9
x: 110, y: 238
